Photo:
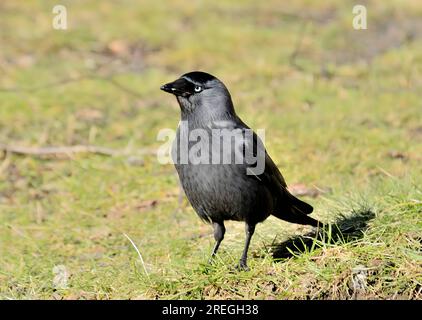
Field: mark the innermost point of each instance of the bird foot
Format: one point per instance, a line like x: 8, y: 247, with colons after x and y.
x: 242, y: 266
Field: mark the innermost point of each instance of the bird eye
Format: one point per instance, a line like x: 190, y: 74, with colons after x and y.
x: 198, y: 88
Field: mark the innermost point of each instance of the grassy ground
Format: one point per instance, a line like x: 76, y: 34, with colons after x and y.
x: 342, y: 111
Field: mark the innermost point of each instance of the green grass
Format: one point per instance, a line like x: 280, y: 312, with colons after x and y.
x: 345, y: 117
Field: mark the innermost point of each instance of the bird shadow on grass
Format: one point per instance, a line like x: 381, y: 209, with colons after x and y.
x: 345, y: 229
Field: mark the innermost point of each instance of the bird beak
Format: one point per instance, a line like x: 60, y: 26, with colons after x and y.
x: 167, y: 87
x: 180, y: 87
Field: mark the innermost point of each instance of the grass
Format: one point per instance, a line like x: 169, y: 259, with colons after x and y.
x: 344, y: 116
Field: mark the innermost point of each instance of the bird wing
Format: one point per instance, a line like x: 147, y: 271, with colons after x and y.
x: 272, y: 172
x: 291, y: 208
x: 271, y: 176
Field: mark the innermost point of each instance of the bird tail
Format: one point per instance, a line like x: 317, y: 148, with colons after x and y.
x: 293, y: 210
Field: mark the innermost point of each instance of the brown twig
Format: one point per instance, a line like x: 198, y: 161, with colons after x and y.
x: 70, y: 150
x: 60, y: 150
x: 108, y: 78
x: 118, y: 85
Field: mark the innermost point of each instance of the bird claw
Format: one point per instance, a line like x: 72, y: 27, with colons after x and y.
x: 242, y: 266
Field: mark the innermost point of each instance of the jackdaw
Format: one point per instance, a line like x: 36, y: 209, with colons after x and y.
x: 218, y: 189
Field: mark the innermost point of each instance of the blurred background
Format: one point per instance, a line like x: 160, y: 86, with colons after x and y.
x: 342, y: 111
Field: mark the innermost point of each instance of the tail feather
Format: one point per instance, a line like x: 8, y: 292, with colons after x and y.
x: 299, y: 205
x: 293, y: 210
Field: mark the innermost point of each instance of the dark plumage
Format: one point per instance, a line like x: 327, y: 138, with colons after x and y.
x: 220, y: 192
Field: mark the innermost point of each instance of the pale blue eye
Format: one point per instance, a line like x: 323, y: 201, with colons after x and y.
x: 198, y: 88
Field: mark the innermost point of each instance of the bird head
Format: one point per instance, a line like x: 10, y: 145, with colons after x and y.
x: 200, y: 92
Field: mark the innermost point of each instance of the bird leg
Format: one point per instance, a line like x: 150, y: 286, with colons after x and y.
x: 249, y: 229
x: 219, y: 231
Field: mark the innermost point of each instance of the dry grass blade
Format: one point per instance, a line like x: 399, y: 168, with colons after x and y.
x: 139, y: 253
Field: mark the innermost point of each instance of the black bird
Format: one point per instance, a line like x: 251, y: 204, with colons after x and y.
x: 225, y: 191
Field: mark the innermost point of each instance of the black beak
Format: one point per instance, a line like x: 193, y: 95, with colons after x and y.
x: 180, y: 87
x: 167, y: 87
